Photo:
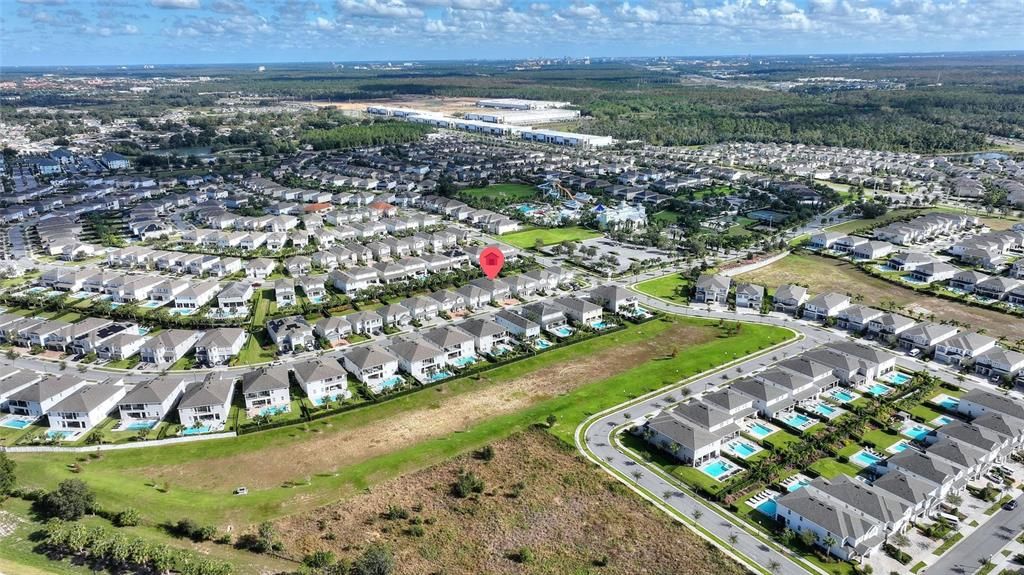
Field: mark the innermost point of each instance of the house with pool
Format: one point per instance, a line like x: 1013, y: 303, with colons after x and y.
x: 322, y: 380
x: 488, y: 335
x: 84, y: 408
x: 205, y: 404
x: 37, y: 398
x: 374, y: 366
x: 420, y: 358
x: 580, y: 311
x: 265, y: 390
x: 457, y: 345
x: 615, y: 299
x: 14, y: 380
x: 150, y: 402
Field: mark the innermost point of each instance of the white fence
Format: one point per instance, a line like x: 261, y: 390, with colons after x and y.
x: 109, y: 447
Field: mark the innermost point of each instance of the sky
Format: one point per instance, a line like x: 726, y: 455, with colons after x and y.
x: 131, y: 32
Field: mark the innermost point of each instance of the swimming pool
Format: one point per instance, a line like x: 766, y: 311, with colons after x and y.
x: 825, y: 410
x: 915, y: 431
x: 877, y: 389
x: 542, y: 343
x: 562, y: 331
x: 897, y: 378
x: 760, y: 431
x: 391, y: 382
x: 464, y: 361
x: 898, y: 447
x: 183, y: 311
x: 139, y: 425
x: 60, y: 435
x: 768, y: 507
x: 438, y: 376
x: 525, y: 208
x: 600, y: 324
x: 797, y: 420
x: 943, y: 420
x: 794, y: 485
x: 743, y: 449
x: 947, y: 402
x: 275, y: 410
x: 196, y: 430
x: 15, y: 422
x: 717, y: 468
x: 152, y: 303
x: 842, y: 396
x: 865, y: 459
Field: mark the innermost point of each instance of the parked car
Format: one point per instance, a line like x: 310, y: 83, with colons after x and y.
x: 1010, y: 505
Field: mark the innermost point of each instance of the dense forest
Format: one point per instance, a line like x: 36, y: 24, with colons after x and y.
x: 944, y: 104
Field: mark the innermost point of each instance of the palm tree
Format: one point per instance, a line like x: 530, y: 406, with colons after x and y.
x: 774, y: 566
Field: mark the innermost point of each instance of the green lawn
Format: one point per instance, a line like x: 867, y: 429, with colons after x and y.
x: 252, y: 353
x: 781, y: 438
x: 880, y: 439
x: 120, y: 476
x: 862, y: 224
x: 667, y: 288
x: 507, y: 193
x: 829, y: 468
x: 128, y: 363
x: 548, y: 236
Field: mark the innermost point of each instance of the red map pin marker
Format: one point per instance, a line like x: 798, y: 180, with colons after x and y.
x: 491, y: 260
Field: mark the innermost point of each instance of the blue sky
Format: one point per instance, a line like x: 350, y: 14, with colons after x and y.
x: 76, y: 32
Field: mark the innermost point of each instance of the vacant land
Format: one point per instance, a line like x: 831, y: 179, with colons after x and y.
x: 824, y: 274
x: 538, y: 494
x: 548, y: 236
x: 673, y: 287
x: 505, y: 193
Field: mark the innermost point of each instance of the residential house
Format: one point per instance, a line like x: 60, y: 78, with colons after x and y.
x: 152, y: 400
x: 169, y: 346
x: 373, y: 366
x: 712, y: 288
x: 265, y: 390
x: 322, y: 380
x: 206, y: 403
x: 219, y: 345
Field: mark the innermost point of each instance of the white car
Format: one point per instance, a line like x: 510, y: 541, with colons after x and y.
x: 915, y: 352
x: 242, y: 491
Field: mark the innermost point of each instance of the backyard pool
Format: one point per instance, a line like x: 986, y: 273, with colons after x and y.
x: 182, y: 311
x: 865, y: 458
x: 139, y: 425
x: 760, y: 430
x: 842, y: 396
x: 943, y: 420
x: 878, y: 389
x: 152, y: 303
x: 768, y: 507
x: 600, y: 325
x: 525, y: 208
x: 60, y: 435
x: 464, y: 361
x: 794, y: 483
x: 915, y: 431
x: 716, y: 468
x: 897, y: 378
x: 438, y: 376
x: 898, y: 447
x: 391, y: 382
x: 542, y: 343
x: 16, y: 422
x: 275, y: 410
x: 196, y: 430
x: 947, y: 402
x: 743, y: 449
x: 797, y: 421
x: 562, y: 331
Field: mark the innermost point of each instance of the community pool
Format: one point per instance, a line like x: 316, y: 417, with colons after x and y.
x: 768, y: 507
x: 196, y: 430
x: 915, y: 431
x: 562, y: 331
x: 897, y: 378
x: 878, y: 389
x: 865, y: 458
x: 464, y: 361
x: 716, y: 468
x: 760, y: 431
x: 842, y: 396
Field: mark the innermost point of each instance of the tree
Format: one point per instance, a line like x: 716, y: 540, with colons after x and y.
x: 70, y: 501
x: 129, y: 517
x: 319, y: 560
x: 375, y: 560
x: 7, y: 478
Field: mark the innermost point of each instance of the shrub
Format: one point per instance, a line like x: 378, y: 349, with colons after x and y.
x: 319, y: 560
x: 395, y: 512
x: 128, y: 517
x: 70, y: 501
x: 376, y: 560
x: 416, y: 530
x: 467, y: 484
x: 523, y: 555
x: 486, y: 453
x: 7, y: 478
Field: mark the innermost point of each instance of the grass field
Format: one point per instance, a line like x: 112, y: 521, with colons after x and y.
x: 509, y: 193
x: 528, y: 238
x: 666, y: 288
x: 824, y: 274
x: 294, y: 470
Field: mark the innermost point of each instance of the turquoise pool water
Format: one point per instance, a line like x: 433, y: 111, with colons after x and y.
x: 795, y: 485
x: 464, y: 361
x: 562, y: 331
x: 275, y: 410
x: 950, y: 403
x: 743, y: 449
x: 768, y: 507
x: 899, y: 447
x: 152, y: 303
x: 196, y: 430
x: 797, y: 420
x: 916, y: 431
x: 525, y: 208
x: 391, y: 382
x: 59, y: 434
x: 17, y: 423
x: 842, y: 396
x: 943, y: 420
x: 877, y: 389
x: 542, y: 344
x: 898, y: 378
x: 140, y: 425
x: 824, y: 409
x: 599, y: 324
x: 440, y: 375
x: 717, y: 468
x: 864, y: 458
x: 760, y: 431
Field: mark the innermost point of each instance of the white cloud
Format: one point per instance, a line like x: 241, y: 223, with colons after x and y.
x: 379, y: 9
x: 175, y: 4
x: 322, y: 24
x: 487, y: 5
x: 637, y: 13
x: 540, y: 7
x: 584, y: 11
x: 230, y: 7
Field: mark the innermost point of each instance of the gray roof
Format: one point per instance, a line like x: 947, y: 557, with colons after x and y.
x: 801, y: 365
x: 47, y: 388
x: 932, y: 469
x: 875, y: 503
x: 479, y: 327
x: 211, y: 391
x: 758, y: 389
x: 788, y: 292
x: 220, y: 337
x: 830, y: 517
x: 903, y: 486
x: 154, y: 391
x: 318, y: 370
x: 713, y: 281
x: 995, y: 402
x: 265, y: 379
x: 447, y: 336
x: 88, y: 398
x: 700, y: 413
x: 414, y: 350
x: 681, y: 432
x: 367, y: 356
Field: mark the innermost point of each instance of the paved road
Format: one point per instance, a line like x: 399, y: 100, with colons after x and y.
x: 988, y: 540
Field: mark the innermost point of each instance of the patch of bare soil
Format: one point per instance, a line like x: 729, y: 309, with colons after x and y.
x: 449, y: 411
x: 538, y: 495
